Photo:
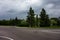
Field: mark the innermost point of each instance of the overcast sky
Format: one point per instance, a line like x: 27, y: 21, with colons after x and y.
x: 19, y: 8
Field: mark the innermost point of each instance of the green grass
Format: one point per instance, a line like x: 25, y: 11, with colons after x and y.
x: 52, y: 27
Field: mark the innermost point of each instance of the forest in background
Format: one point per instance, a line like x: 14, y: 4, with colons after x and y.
x: 41, y: 20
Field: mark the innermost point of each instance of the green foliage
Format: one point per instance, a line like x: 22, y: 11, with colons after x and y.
x: 44, y: 19
x: 54, y: 21
x: 58, y: 21
x: 23, y: 24
x: 30, y: 17
x: 37, y: 21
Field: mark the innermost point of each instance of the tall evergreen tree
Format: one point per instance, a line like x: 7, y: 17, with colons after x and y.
x: 16, y: 21
x: 37, y: 24
x: 47, y: 21
x: 44, y: 19
x: 30, y: 17
x: 58, y: 22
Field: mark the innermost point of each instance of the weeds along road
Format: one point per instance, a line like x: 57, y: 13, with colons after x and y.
x: 29, y: 33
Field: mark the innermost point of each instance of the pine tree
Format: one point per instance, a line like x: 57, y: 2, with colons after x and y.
x: 58, y: 22
x: 37, y: 24
x: 47, y: 21
x: 30, y: 17
x: 44, y: 19
x: 16, y: 21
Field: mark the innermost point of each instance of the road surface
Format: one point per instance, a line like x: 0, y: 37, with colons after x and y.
x: 14, y: 33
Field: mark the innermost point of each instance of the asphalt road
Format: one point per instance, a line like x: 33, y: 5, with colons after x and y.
x: 29, y: 33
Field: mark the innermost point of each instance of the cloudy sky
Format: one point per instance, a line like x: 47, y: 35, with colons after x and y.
x: 19, y: 8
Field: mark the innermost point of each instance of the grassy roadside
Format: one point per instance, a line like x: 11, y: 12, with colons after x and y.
x: 51, y: 27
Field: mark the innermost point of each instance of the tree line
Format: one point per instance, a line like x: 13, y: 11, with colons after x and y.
x: 41, y: 20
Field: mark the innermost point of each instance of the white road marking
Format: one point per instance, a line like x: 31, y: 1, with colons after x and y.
x: 6, y: 37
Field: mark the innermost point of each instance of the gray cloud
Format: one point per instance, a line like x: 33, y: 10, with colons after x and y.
x: 19, y: 8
